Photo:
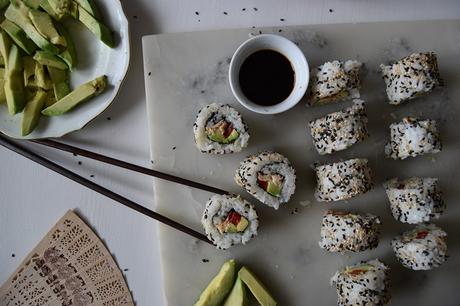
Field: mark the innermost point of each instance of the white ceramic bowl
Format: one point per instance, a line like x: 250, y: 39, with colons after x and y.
x: 94, y: 59
x: 290, y: 51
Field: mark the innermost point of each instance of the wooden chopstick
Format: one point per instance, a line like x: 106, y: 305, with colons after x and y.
x: 119, y: 163
x: 7, y: 143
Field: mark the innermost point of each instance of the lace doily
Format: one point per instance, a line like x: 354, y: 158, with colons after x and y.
x: 70, y: 266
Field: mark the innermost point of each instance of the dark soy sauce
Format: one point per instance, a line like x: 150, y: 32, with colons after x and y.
x: 266, y: 77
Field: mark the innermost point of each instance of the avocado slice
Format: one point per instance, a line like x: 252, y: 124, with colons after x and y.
x: 60, y: 8
x: 5, y: 46
x: 219, y: 287
x: 237, y: 296
x: 50, y: 99
x: 19, y: 36
x: 44, y: 25
x: 46, y: 6
x: 218, y: 137
x: 242, y: 225
x: 18, y: 13
x: 14, y: 85
x: 2, y: 85
x: 90, y: 7
x: 2, y: 61
x: 60, y: 80
x: 50, y: 60
x: 29, y: 69
x: 34, y: 4
x: 41, y: 78
x: 256, y: 287
x: 69, y: 55
x: 98, y: 29
x: 274, y: 189
x: 32, y: 112
x: 76, y: 97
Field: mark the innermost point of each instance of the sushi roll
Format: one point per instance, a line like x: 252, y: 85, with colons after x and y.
x: 345, y: 231
x: 415, y: 200
x: 422, y: 248
x: 334, y: 81
x: 410, y: 77
x: 342, y: 180
x: 366, y: 283
x: 340, y: 130
x: 220, y: 129
x: 413, y: 137
x: 268, y: 176
x: 229, y: 220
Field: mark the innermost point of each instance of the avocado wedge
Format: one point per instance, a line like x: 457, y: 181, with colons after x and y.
x: 69, y: 55
x: 32, y: 112
x: 60, y: 80
x: 2, y: 86
x: 50, y: 60
x: 41, y: 78
x: 19, y: 36
x: 34, y: 4
x: 14, y: 84
x: 76, y: 97
x: 256, y: 287
x: 29, y: 69
x: 5, y: 46
x: 18, y: 13
x: 98, y: 29
x: 46, y: 6
x: 60, y: 8
x: 45, y: 26
x: 219, y: 286
x: 90, y: 7
x: 237, y: 296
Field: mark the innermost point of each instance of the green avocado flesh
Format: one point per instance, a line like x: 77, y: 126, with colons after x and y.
x: 19, y: 36
x: 237, y: 296
x: 44, y: 24
x: 18, y: 13
x: 256, y: 287
x: 98, y: 29
x: 216, y: 135
x: 219, y: 287
x: 14, y: 84
x: 48, y: 59
x: 32, y: 112
x: 2, y: 86
x: 274, y: 189
x: 90, y: 7
x: 76, y: 97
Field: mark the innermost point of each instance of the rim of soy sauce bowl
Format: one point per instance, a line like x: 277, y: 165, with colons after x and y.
x: 288, y: 49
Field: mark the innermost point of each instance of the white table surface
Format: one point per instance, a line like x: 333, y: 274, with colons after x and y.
x: 32, y: 198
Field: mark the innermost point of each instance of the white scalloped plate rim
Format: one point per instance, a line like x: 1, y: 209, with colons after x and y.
x: 95, y: 59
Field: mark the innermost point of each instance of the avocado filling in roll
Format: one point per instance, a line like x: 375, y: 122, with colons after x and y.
x: 271, y: 183
x: 233, y: 223
x: 221, y: 131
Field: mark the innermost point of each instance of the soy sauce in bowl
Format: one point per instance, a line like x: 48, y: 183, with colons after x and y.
x: 266, y: 77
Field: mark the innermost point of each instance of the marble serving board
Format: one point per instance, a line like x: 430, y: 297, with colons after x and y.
x: 186, y: 71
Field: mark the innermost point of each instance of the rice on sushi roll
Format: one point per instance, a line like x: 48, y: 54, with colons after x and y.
x: 366, y: 283
x: 334, y: 81
x: 268, y: 176
x: 422, y: 248
x: 229, y: 220
x: 412, y: 76
x: 345, y: 231
x: 413, y: 137
x: 343, y: 180
x: 220, y: 129
x: 415, y: 200
x: 340, y: 130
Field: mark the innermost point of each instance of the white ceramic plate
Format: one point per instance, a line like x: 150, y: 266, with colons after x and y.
x: 94, y: 59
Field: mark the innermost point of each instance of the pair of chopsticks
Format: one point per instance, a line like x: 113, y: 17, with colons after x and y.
x: 13, y: 146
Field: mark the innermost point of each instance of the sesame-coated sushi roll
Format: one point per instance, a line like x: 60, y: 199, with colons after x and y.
x: 268, y: 176
x: 422, y: 248
x: 412, y: 76
x: 415, y: 200
x: 413, y: 137
x: 366, y: 283
x: 343, y: 180
x: 345, y: 231
x: 229, y: 220
x: 220, y: 129
x: 334, y: 81
x: 340, y: 130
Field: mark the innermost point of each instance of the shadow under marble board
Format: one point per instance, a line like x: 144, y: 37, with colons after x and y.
x: 186, y: 71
